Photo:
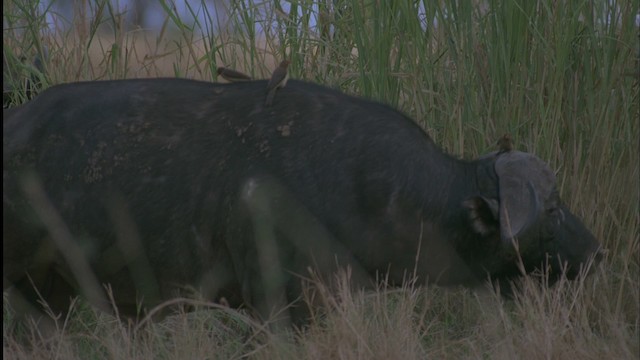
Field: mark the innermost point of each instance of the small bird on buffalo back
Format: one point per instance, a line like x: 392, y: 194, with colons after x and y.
x: 505, y: 143
x: 278, y: 80
x: 232, y: 75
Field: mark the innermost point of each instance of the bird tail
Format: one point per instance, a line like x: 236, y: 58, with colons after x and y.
x: 270, y: 96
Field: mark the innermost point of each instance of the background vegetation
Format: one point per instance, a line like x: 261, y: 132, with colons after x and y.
x: 561, y: 76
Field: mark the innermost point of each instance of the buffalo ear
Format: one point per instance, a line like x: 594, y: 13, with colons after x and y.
x: 483, y: 214
x: 524, y: 181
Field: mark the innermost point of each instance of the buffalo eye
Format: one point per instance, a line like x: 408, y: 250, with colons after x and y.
x: 483, y: 214
x: 556, y: 215
x: 554, y: 202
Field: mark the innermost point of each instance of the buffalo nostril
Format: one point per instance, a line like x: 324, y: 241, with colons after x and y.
x: 599, y: 255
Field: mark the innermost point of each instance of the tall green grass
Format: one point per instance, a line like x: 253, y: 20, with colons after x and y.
x: 561, y: 76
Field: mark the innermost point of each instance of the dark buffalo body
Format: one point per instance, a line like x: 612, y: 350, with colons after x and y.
x: 170, y: 184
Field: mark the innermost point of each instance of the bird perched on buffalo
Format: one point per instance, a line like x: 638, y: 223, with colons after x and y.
x: 505, y: 143
x: 232, y: 75
x: 278, y: 80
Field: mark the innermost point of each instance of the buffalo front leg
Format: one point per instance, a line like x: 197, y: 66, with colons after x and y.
x: 285, y: 242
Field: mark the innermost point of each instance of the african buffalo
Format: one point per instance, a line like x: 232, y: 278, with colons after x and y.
x: 157, y: 186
